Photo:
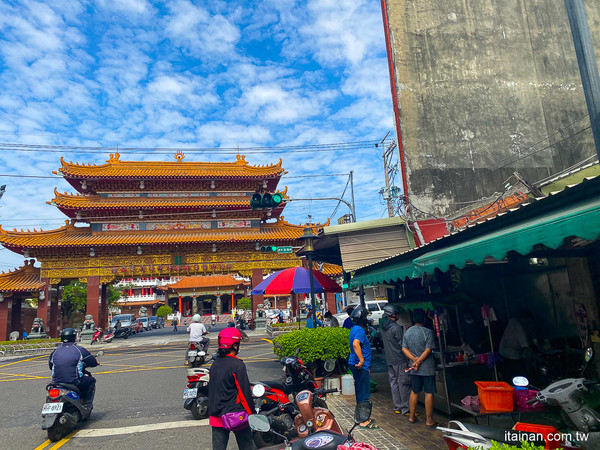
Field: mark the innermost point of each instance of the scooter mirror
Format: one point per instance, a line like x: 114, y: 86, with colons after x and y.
x: 297, y: 351
x: 520, y: 381
x: 589, y: 353
x: 362, y: 412
x: 258, y: 422
x: 329, y: 365
x: 278, y: 346
x: 100, y: 353
x: 258, y: 390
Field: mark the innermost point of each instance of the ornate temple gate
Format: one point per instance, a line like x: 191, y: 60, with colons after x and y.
x: 159, y: 219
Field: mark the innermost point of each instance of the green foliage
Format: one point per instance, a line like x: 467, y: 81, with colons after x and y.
x: 315, y: 344
x: 290, y: 325
x: 525, y: 445
x: 244, y: 303
x: 75, y: 293
x: 164, y: 311
x: 113, y: 295
x: 31, y: 341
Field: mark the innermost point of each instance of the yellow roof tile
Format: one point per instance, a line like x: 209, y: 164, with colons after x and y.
x: 24, y: 279
x: 117, y: 169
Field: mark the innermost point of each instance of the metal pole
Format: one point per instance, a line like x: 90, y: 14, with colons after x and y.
x: 312, y: 288
x: 588, y: 67
x: 352, y: 193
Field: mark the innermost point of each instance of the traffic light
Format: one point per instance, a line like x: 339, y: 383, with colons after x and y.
x: 268, y: 248
x: 266, y: 200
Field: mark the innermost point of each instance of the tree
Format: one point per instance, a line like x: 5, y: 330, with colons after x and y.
x: 164, y: 311
x: 74, y: 297
x: 244, y: 303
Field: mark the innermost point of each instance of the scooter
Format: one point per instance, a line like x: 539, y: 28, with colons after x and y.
x: 64, y: 409
x: 196, y: 395
x: 123, y: 332
x: 100, y: 336
x: 324, y: 439
x: 196, y: 355
x: 567, y: 393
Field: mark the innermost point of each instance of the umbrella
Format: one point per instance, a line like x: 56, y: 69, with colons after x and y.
x: 295, y: 280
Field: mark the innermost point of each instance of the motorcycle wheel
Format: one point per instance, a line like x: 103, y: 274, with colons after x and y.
x: 266, y: 439
x: 199, y: 410
x: 55, y: 432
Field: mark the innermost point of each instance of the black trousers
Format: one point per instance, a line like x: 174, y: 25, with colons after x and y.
x: 87, y: 387
x: 220, y: 438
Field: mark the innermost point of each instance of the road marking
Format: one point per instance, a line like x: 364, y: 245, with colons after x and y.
x: 64, y: 440
x: 102, y: 432
x: 40, y: 447
x: 23, y: 360
x: 268, y: 340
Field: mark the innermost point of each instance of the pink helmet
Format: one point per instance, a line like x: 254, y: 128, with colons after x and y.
x: 229, y: 336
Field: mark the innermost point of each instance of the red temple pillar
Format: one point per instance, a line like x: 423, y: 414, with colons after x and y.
x: 94, y: 299
x: 330, y: 300
x: 180, y: 306
x: 44, y: 303
x: 52, y: 326
x: 257, y: 277
x: 5, y: 319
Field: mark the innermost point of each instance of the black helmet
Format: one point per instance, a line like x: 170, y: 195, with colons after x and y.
x: 359, y: 315
x: 390, y: 309
x: 68, y: 335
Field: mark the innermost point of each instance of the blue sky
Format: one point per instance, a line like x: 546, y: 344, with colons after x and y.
x: 184, y: 74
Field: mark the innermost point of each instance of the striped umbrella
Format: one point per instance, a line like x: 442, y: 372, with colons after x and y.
x: 295, y: 280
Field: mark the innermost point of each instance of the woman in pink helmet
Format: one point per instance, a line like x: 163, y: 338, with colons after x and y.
x: 229, y: 391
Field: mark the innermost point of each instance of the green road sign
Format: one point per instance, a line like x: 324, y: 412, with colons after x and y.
x: 284, y: 249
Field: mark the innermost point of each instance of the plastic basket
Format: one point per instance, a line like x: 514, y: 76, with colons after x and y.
x: 521, y: 398
x: 495, y: 395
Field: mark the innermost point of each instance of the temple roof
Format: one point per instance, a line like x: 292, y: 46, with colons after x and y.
x: 72, y: 236
x: 208, y: 281
x: 93, y: 202
x: 117, y: 169
x: 24, y: 279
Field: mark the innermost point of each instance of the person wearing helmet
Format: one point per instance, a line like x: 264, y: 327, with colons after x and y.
x: 197, y: 330
x: 229, y: 391
x: 68, y: 362
x: 392, y: 334
x: 360, y: 359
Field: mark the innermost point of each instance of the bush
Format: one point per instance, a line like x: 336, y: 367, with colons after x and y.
x: 316, y: 344
x: 244, y: 303
x: 164, y: 311
x: 32, y: 341
x: 525, y: 445
x: 287, y: 324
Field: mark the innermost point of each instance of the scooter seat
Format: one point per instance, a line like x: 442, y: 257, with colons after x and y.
x: 498, y: 434
x: 71, y: 387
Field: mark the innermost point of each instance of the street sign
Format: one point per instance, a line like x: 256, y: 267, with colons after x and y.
x: 284, y: 249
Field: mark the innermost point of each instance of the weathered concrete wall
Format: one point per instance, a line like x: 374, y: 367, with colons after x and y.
x: 479, y: 82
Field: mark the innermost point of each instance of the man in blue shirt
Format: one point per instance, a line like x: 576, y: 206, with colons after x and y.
x: 360, y: 359
x: 348, y: 322
x: 311, y: 321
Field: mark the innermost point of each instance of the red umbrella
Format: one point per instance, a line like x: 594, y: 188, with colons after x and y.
x: 295, y: 280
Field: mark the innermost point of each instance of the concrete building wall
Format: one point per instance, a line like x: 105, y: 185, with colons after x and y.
x: 479, y: 82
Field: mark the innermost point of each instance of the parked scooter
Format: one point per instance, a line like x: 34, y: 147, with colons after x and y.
x: 196, y: 355
x: 64, y: 409
x: 568, y: 394
x: 101, y: 336
x: 196, y: 395
x: 123, y: 332
x: 324, y: 439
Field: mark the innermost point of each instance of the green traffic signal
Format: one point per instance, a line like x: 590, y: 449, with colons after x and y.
x: 265, y: 201
x: 268, y: 248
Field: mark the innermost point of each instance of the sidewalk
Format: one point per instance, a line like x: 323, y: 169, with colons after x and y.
x: 396, y: 431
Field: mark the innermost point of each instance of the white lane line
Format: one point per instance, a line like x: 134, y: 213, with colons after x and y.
x: 101, y: 432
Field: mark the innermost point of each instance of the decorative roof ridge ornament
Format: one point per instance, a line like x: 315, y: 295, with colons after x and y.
x: 113, y: 158
x: 241, y: 159
x: 179, y: 155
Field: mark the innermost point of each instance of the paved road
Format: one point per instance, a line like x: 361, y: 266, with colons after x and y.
x: 138, y: 399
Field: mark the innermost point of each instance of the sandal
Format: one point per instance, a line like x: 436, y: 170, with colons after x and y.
x: 433, y: 425
x: 413, y: 421
x: 371, y: 425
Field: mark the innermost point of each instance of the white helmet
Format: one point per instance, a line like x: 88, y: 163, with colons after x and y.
x: 196, y: 318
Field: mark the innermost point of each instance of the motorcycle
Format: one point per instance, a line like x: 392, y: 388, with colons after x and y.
x: 64, y: 409
x: 123, y: 332
x: 196, y: 355
x: 272, y: 399
x: 196, y: 395
x: 325, y: 439
x: 100, y: 336
x: 568, y: 394
x: 375, y: 338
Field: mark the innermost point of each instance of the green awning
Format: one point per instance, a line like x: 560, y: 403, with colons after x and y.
x: 550, y: 229
x: 385, y: 274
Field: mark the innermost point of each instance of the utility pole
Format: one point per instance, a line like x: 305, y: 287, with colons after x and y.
x: 352, y: 193
x: 387, y: 193
x: 588, y: 67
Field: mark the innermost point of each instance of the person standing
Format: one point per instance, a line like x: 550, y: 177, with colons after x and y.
x: 213, y: 320
x: 360, y: 360
x: 175, y: 324
x: 229, y: 391
x: 417, y: 345
x: 400, y: 381
x: 515, y: 348
x: 348, y: 322
x: 311, y: 321
x: 331, y: 320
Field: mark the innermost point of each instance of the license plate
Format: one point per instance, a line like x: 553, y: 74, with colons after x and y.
x: 190, y: 393
x: 192, y: 353
x: 52, y: 408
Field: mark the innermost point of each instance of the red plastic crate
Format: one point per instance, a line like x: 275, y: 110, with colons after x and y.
x: 495, y: 395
